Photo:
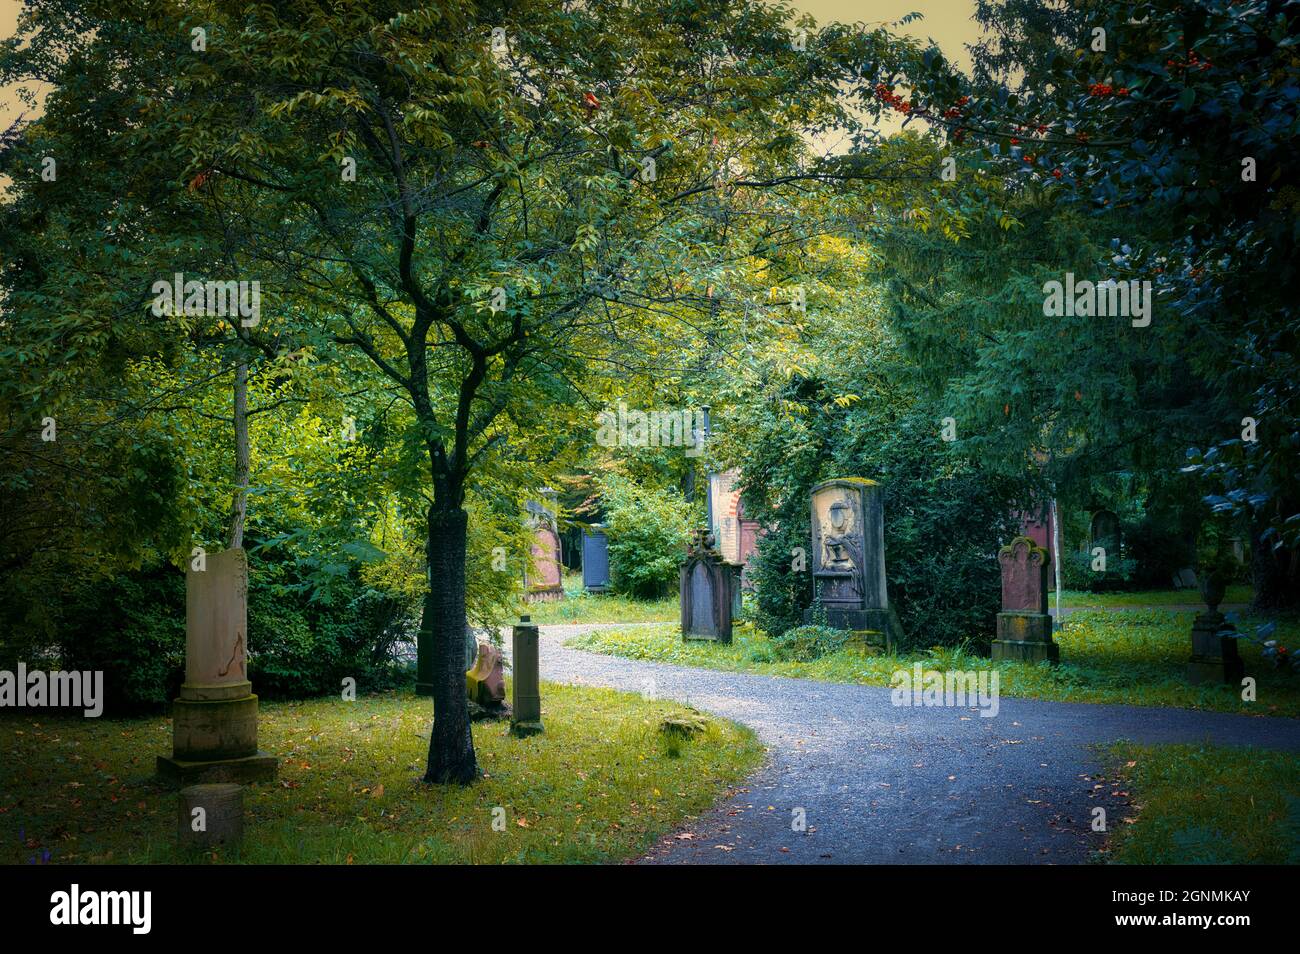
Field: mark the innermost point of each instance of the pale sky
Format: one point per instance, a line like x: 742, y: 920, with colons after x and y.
x: 948, y: 22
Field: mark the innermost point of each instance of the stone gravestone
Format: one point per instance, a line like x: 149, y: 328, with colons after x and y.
x: 526, y: 717
x: 214, y: 721
x: 707, y: 581
x: 848, y: 558
x: 545, y: 582
x: 1214, y: 650
x: 1024, y: 626
x: 1104, y: 532
x: 485, y: 682
x: 595, y: 559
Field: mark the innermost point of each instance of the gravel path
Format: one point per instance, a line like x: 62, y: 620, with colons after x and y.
x: 879, y: 784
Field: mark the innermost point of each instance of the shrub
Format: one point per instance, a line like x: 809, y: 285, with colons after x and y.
x: 648, y: 528
x: 808, y: 643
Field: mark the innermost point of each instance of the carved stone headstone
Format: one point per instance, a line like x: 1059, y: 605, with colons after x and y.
x: 543, y: 580
x: 848, y: 557
x: 1024, y: 626
x: 707, y: 581
x: 214, y: 720
x: 485, y: 682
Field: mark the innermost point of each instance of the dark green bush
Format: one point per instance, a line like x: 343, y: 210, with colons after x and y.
x: 132, y: 627
x: 647, y: 538
x: 944, y: 522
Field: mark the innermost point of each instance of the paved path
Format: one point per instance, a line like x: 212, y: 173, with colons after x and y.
x: 879, y: 783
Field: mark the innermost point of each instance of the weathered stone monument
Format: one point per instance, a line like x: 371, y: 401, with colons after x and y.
x: 210, y: 815
x: 485, y: 683
x: 708, y: 583
x: 1024, y: 626
x: 526, y: 717
x: 595, y: 559
x: 1214, y: 652
x: 848, y: 558
x: 544, y: 579
x: 214, y: 720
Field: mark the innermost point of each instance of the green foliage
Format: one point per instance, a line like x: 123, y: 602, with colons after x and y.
x: 783, y: 587
x: 647, y: 529
x: 1077, y: 572
x: 808, y: 643
x: 1206, y: 804
x: 132, y: 627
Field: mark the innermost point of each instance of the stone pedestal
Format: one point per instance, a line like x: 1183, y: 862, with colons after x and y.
x: 1214, y: 657
x: 214, y: 720
x: 210, y: 815
x: 848, y: 558
x: 526, y: 717
x: 1024, y: 626
x: 708, y: 588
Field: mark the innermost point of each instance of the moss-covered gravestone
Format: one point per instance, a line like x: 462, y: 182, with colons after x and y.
x: 848, y: 558
x: 544, y: 575
x: 214, y: 721
x: 1024, y: 626
x: 707, y: 585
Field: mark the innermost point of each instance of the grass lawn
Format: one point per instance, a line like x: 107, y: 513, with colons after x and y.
x: 1187, y: 597
x: 579, y: 606
x: 1203, y: 804
x: 1137, y: 657
x: 599, y: 785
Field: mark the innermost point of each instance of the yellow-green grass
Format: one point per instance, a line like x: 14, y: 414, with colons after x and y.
x: 1184, y: 597
x: 1137, y: 657
x: 581, y: 607
x: 1205, y: 804
x: 600, y: 785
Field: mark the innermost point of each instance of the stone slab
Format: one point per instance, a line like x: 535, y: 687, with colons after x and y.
x: 261, y: 767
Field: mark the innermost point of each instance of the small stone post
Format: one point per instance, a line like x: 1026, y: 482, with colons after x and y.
x: 526, y: 718
x: 210, y: 815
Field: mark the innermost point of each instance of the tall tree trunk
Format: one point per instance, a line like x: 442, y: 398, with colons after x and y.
x: 239, y: 507
x: 451, y: 747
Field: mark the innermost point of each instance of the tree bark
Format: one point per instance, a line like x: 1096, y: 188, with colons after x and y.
x: 451, y: 747
x: 239, y: 506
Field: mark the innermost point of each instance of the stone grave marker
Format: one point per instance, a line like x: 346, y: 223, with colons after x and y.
x: 848, y: 558
x: 1024, y: 627
x: 214, y: 720
x: 706, y: 590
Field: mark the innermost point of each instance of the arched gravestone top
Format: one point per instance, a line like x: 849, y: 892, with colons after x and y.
x: 1104, y: 531
x: 1024, y: 576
